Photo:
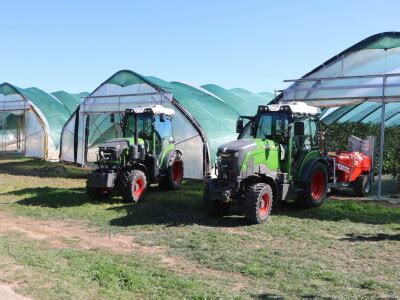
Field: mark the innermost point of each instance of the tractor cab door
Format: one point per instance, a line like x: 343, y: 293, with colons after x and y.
x: 305, y: 141
x: 163, y: 132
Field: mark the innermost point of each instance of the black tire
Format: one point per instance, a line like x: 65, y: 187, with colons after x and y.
x: 173, y: 175
x: 258, y: 203
x: 362, y: 185
x: 215, y: 208
x: 314, y: 190
x: 134, y: 186
x: 97, y: 193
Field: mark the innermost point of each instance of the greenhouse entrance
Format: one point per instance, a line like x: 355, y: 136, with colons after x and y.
x: 12, y: 133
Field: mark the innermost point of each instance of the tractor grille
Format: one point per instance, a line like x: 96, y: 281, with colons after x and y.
x: 108, y: 153
x: 228, y: 167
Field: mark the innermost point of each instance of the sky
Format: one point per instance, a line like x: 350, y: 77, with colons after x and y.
x: 254, y: 44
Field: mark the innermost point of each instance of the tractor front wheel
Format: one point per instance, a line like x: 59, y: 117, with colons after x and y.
x: 134, y: 186
x: 258, y: 203
x: 362, y: 185
x: 314, y: 192
x: 172, y: 179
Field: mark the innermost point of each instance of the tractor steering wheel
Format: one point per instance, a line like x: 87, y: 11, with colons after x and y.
x: 144, y: 134
x: 147, y: 137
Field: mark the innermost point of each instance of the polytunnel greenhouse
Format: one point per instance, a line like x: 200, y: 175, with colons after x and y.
x: 30, y: 122
x: 360, y: 84
x: 202, y: 122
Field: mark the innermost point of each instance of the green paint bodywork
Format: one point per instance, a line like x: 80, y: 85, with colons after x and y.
x: 163, y: 155
x: 266, y: 153
x: 312, y: 155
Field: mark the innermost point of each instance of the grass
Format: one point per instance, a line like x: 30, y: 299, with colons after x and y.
x: 344, y: 248
x: 92, y: 274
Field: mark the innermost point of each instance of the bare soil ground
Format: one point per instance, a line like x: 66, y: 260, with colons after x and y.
x: 7, y: 293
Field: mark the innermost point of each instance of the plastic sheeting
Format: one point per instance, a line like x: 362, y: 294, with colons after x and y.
x: 353, y: 76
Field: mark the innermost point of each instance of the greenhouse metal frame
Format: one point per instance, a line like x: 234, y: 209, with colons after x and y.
x: 366, y: 72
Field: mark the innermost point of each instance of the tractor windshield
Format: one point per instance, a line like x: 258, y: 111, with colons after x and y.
x: 154, y: 130
x: 271, y: 125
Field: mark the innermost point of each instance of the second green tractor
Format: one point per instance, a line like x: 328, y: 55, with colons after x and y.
x: 277, y: 156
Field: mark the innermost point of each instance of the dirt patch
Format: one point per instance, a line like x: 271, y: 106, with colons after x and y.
x: 69, y: 234
x: 7, y: 293
x: 65, y: 234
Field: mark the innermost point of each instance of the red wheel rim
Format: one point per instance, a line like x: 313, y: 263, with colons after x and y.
x: 317, y: 186
x: 177, y: 172
x: 264, y: 204
x: 137, y: 187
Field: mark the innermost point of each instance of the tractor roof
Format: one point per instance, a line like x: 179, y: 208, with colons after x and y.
x: 154, y: 109
x: 296, y: 108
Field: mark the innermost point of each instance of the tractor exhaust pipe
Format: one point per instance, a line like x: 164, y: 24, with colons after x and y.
x: 136, y: 135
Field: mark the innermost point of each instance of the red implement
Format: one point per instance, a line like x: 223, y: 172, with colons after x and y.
x: 349, y: 165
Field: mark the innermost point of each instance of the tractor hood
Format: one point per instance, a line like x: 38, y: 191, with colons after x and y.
x: 236, y: 146
x: 244, y: 157
x: 120, y: 142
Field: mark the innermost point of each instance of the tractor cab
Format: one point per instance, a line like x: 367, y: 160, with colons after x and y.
x: 150, y: 127
x: 294, y: 129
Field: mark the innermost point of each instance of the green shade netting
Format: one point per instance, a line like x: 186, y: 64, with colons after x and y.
x: 249, y: 97
x: 7, y: 89
x: 54, y: 111
x: 243, y: 107
x: 126, y: 78
x: 216, y: 118
x: 385, y: 40
x: 71, y: 101
x: 267, y: 96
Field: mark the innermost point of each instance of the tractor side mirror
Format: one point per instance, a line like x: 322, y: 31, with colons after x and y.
x: 162, y: 117
x: 112, y: 118
x: 239, y: 126
x: 299, y: 128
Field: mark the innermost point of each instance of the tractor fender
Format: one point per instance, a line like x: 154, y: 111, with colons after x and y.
x: 264, y: 178
x: 166, y: 161
x: 307, y: 168
x: 137, y: 166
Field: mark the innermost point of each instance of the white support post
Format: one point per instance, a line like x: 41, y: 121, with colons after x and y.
x: 382, y: 141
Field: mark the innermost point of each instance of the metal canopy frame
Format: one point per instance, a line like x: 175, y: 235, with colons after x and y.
x: 383, y: 98
x: 163, y: 96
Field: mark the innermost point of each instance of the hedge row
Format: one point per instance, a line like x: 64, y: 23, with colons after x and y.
x: 338, y: 133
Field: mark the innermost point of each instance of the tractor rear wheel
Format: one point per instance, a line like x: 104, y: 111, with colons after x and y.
x: 172, y: 179
x: 258, y: 203
x: 362, y: 185
x: 97, y: 193
x: 214, y: 207
x: 134, y: 186
x: 314, y: 192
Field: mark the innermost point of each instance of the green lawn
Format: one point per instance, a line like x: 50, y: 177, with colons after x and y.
x: 342, y: 249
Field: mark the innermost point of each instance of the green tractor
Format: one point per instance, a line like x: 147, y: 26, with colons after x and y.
x: 145, y: 155
x: 276, y: 157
